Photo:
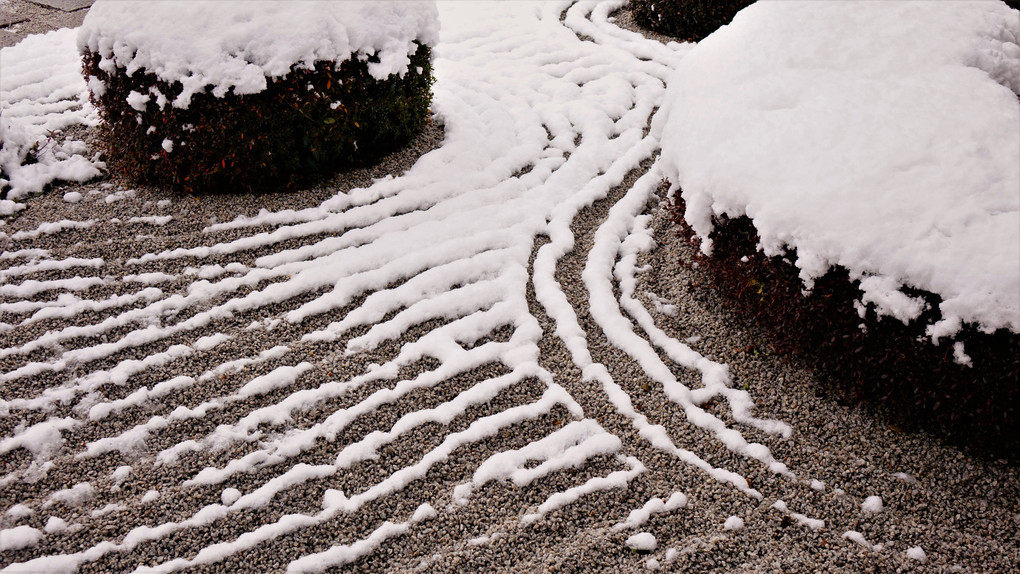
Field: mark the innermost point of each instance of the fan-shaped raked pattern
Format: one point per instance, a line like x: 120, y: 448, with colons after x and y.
x: 540, y: 123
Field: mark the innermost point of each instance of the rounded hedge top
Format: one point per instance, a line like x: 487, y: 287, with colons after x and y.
x: 236, y: 45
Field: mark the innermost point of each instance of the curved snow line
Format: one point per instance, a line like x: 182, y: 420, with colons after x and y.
x: 619, y: 330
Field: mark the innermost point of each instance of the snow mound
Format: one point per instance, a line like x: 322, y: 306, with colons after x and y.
x: 878, y: 136
x: 917, y: 553
x: 873, y: 504
x: 236, y: 45
x: 642, y: 542
x: 733, y: 523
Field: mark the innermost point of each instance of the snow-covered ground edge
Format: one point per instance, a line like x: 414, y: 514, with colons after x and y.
x: 877, y: 136
x: 42, y: 94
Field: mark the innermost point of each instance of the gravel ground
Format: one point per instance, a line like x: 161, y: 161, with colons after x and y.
x: 36, y: 19
x: 962, y: 511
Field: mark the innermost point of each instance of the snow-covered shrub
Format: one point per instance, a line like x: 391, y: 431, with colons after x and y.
x: 254, y: 96
x: 686, y: 19
x: 966, y: 391
x: 866, y: 152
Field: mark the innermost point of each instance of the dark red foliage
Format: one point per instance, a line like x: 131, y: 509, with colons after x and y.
x: 302, y: 127
x: 887, y: 363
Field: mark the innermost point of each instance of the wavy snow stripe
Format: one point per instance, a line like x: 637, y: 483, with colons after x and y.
x: 618, y: 479
x: 569, y: 446
x: 620, y: 331
x: 640, y: 516
x: 50, y: 265
x: 281, y: 449
x: 134, y: 438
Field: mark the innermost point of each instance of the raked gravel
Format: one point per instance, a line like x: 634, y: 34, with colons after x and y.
x: 962, y: 512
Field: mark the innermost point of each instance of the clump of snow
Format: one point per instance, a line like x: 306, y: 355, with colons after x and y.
x: 878, y: 136
x: 230, y: 496
x: 640, y: 516
x: 733, y: 523
x: 54, y: 525
x: 917, y: 553
x: 905, y: 477
x: 642, y: 542
x: 236, y: 46
x: 72, y: 197
x: 19, y: 537
x: 859, y: 538
x: 873, y: 504
x: 72, y: 497
x: 652, y: 564
x: 19, y: 511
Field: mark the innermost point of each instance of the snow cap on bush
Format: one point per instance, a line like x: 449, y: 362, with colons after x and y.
x: 876, y: 136
x: 226, y: 45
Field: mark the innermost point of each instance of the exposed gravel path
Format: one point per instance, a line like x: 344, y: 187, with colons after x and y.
x: 962, y: 511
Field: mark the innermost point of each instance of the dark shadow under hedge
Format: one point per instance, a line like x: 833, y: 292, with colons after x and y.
x: 303, y: 127
x: 887, y: 364
x: 689, y: 20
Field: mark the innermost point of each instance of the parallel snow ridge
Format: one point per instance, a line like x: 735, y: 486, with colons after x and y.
x: 878, y: 136
x: 365, y: 345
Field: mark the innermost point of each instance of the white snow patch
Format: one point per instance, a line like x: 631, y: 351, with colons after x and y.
x: 19, y: 537
x: 72, y: 197
x: 71, y: 497
x: 873, y: 504
x: 19, y: 511
x: 905, y: 477
x: 640, y: 516
x: 642, y: 542
x: 733, y: 523
x: 152, y: 219
x: 55, y: 525
x: 858, y: 538
x: 917, y: 553
x: 230, y: 496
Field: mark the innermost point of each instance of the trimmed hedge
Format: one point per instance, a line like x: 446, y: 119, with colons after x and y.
x: 887, y: 363
x: 303, y: 127
x: 690, y: 20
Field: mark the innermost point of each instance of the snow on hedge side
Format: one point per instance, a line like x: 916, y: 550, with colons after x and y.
x: 236, y: 45
x: 879, y: 136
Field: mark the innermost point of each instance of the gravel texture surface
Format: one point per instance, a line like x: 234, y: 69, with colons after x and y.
x: 963, y: 513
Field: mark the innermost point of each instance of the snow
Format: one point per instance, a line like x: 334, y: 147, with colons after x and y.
x: 917, y: 553
x: 858, y: 538
x: 878, y: 136
x: 872, y: 504
x: 427, y: 269
x: 188, y: 43
x: 19, y: 537
x: 18, y: 511
x: 640, y: 516
x: 42, y: 92
x: 55, y: 525
x: 733, y: 523
x: 642, y: 542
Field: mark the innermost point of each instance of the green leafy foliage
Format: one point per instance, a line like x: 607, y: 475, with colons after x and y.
x: 690, y: 20
x: 885, y: 363
x: 303, y: 127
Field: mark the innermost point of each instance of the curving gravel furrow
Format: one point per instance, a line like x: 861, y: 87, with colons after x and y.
x: 483, y: 407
